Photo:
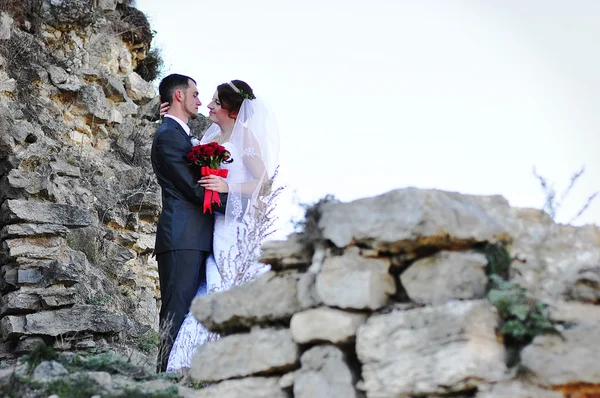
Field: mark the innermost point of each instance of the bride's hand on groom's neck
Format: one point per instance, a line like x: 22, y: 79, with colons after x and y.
x: 164, y: 108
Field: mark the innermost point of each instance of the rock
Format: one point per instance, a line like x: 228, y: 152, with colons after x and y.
x: 29, y: 276
x: 271, y: 298
x: 24, y: 230
x: 107, y: 5
x: 251, y: 387
x: 431, y: 350
x: 324, y: 373
x: 115, y: 90
x: 407, y: 219
x: 568, y: 359
x: 286, y: 382
x: 20, y: 183
x: 92, y: 96
x: 63, y: 12
x: 573, y: 312
x: 138, y: 89
x: 557, y: 262
x: 259, y: 352
x: 62, y: 168
x: 284, y: 254
x: 29, y: 344
x: 515, y: 389
x: 353, y: 281
x: 325, y: 324
x: 57, y: 74
x: 79, y: 318
x: 6, y: 24
x: 20, y: 303
x: 307, y: 292
x: 48, y: 371
x: 25, y: 211
x: 446, y: 276
x: 21, y: 129
x: 46, y: 247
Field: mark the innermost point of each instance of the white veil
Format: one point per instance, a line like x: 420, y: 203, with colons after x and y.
x: 256, y: 138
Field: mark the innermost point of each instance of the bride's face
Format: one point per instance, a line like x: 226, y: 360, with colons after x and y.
x: 217, y: 114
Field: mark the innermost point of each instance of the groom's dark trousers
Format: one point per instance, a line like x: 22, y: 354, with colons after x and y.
x: 184, y: 232
x: 180, y: 272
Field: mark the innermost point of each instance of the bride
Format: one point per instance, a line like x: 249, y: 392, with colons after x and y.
x: 244, y: 125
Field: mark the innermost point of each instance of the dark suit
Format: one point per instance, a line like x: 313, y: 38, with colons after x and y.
x: 184, y: 234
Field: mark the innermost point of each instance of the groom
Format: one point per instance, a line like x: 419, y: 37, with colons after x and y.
x: 184, y: 233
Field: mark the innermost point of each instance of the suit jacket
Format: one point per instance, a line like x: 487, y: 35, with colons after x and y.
x: 182, y: 223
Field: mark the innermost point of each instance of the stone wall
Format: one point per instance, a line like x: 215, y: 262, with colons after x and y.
x: 393, y: 296
x: 78, y: 200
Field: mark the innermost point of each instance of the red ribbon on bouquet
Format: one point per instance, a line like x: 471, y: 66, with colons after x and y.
x: 211, y: 196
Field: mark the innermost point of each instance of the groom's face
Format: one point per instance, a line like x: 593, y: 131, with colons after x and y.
x: 191, y: 101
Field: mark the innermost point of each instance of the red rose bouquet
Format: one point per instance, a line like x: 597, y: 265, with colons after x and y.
x: 209, y: 157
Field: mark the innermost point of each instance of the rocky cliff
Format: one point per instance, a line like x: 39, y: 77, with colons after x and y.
x: 79, y: 202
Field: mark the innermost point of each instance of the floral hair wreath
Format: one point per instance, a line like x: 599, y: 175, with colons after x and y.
x: 242, y: 93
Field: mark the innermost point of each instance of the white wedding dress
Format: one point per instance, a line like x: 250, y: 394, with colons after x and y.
x: 225, y: 267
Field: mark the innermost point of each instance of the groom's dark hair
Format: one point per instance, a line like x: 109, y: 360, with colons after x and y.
x: 169, y: 84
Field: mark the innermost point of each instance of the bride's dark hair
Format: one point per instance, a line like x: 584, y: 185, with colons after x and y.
x: 230, y: 99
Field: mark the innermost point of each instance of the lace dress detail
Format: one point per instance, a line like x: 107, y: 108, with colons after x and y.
x: 221, y: 270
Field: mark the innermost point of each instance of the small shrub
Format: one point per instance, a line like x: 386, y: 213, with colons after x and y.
x: 99, y: 300
x: 523, y: 317
x: 309, y: 226
x: 109, y: 363
x: 151, y: 67
x: 498, y: 258
x: 64, y: 388
x: 148, y: 341
x: 38, y: 355
x: 171, y: 392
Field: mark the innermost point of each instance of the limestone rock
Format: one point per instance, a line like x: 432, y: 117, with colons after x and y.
x: 62, y: 168
x: 14, y: 211
x: 79, y: 318
x: 324, y: 373
x: 6, y: 23
x: 446, y: 276
x: 406, y: 219
x: 46, y: 247
x: 567, y: 359
x: 269, y: 299
x: 29, y: 344
x: 325, y: 324
x: 284, y: 254
x: 557, y: 262
x: 431, y: 350
x: 21, y: 129
x: 250, y: 387
x: 92, y: 96
x: 515, y: 389
x: 57, y: 74
x: 48, y: 371
x: 63, y: 12
x: 573, y: 312
x: 20, y: 183
x: 306, y: 291
x: 22, y: 230
x: 138, y: 89
x: 352, y: 281
x: 108, y: 5
x: 259, y: 352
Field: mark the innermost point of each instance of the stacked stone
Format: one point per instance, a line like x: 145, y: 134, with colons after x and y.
x: 76, y: 221
x: 390, y: 302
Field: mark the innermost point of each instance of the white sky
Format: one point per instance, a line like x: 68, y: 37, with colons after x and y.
x: 375, y: 95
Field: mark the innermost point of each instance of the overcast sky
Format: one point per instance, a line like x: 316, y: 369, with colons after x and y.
x: 375, y: 95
